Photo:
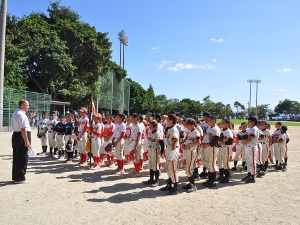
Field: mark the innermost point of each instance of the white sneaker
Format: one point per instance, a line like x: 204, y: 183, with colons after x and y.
x: 21, y: 182
x: 111, y: 165
x: 55, y: 156
x: 95, y: 167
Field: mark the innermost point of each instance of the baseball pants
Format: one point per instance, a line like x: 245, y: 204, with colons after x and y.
x: 154, y: 158
x: 251, y: 156
x: 96, y: 144
x: 240, y: 149
x: 209, y: 158
x: 82, y: 143
x: 61, y: 144
x: 190, y: 157
x: 172, y: 165
x: 119, y: 150
x: 223, y: 157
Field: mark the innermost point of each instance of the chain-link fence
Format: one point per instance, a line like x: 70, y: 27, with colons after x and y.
x: 11, y: 98
x: 114, y: 93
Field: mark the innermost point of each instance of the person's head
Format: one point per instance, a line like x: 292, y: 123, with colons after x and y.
x: 134, y: 118
x: 252, y: 121
x: 190, y: 124
x: 69, y: 117
x: 97, y: 118
x: 171, y: 120
x: 269, y: 126
x: 205, y: 116
x: 44, y: 115
x: 24, y: 105
x: 225, y: 123
x: 52, y: 115
x: 61, y: 118
x: 153, y: 125
x: 164, y: 117
x: 119, y: 118
x: 211, y: 120
x: 83, y: 112
x: 148, y: 115
x: 108, y: 118
x: 140, y: 119
x: 157, y: 117
x: 244, y: 126
x: 76, y: 117
x: 283, y: 129
x: 183, y: 121
x: 128, y: 120
x: 263, y: 124
x: 278, y: 125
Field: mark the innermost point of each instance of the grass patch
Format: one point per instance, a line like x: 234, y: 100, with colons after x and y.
x: 285, y: 123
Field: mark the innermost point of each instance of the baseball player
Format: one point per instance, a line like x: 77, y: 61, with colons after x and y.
x: 118, y: 141
x: 136, y: 144
x: 108, y: 131
x: 265, y: 138
x: 127, y: 139
x: 172, y: 154
x: 96, y: 140
x: 155, y: 138
x: 251, y: 149
x: 50, y: 129
x: 69, y: 132
x: 204, y: 126
x: 240, y: 147
x: 192, y: 141
x: 42, y: 132
x: 143, y: 135
x: 275, y: 137
x: 59, y: 135
x: 280, y: 144
x: 225, y: 141
x: 209, y: 143
x: 198, y: 157
x: 83, y: 126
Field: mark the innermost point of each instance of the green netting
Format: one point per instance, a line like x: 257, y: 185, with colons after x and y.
x: 11, y: 98
x: 114, y: 93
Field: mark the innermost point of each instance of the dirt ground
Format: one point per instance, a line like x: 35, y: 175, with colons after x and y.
x: 61, y: 193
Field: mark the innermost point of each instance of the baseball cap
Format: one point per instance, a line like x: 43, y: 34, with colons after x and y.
x: 226, y: 119
x: 83, y: 109
x: 97, y: 115
x: 252, y: 118
x: 154, y: 123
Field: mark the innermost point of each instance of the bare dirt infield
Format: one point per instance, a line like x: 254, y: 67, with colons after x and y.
x: 68, y: 194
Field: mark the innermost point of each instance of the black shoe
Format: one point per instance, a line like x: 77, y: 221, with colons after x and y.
x: 192, y: 189
x: 233, y: 169
x: 250, y: 180
x: 166, y: 188
x: 245, y: 178
x: 209, y: 184
x: 149, y: 182
x: 173, y: 192
x: 187, y: 186
x: 224, y: 180
x: 155, y: 184
x: 196, y: 178
x: 260, y: 173
x: 278, y: 167
x: 284, y: 169
x: 219, y: 179
x: 203, y: 174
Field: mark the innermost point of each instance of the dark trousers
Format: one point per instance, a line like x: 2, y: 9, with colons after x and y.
x: 20, y: 156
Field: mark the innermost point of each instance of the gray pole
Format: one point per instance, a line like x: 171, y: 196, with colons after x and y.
x: 250, y: 100
x: 2, y: 56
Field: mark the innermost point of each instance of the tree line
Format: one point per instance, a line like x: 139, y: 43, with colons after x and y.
x: 60, y: 55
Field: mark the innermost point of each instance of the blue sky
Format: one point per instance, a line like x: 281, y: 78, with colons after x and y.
x: 195, y: 48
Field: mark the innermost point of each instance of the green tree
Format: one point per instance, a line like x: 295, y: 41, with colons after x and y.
x: 149, y: 103
x: 137, y: 96
x: 288, y: 107
x: 238, y: 106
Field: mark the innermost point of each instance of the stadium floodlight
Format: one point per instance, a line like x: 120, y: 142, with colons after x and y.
x: 249, y: 103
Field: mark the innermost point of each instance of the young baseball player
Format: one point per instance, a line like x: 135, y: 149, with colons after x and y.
x: 50, y: 126
x: 240, y: 147
x: 143, y: 135
x: 172, y: 154
x: 59, y: 135
x: 251, y: 149
x: 155, y: 138
x: 280, y: 144
x: 209, y: 143
x: 118, y: 141
x: 83, y: 126
x: 198, y: 157
x: 232, y: 147
x: 42, y: 132
x: 275, y: 137
x: 108, y: 131
x: 191, y: 142
x: 69, y: 132
x: 204, y: 126
x: 127, y: 138
x: 225, y: 141
x: 96, y: 140
x: 136, y: 144
x: 265, y: 138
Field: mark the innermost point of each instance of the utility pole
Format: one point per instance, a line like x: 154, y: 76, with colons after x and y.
x: 3, y: 13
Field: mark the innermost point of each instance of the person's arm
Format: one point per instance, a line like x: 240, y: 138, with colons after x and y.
x: 119, y: 139
x: 195, y: 143
x: 136, y: 143
x: 25, y: 137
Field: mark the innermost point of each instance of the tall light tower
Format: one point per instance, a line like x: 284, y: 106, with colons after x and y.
x: 249, y: 104
x: 123, y: 41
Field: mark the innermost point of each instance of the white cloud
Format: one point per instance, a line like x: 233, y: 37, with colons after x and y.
x: 217, y: 40
x: 188, y: 66
x: 155, y: 48
x: 285, y: 70
x: 163, y: 63
x: 214, y: 60
x: 279, y: 89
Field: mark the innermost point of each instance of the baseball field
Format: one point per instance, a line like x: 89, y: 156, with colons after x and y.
x: 61, y: 193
